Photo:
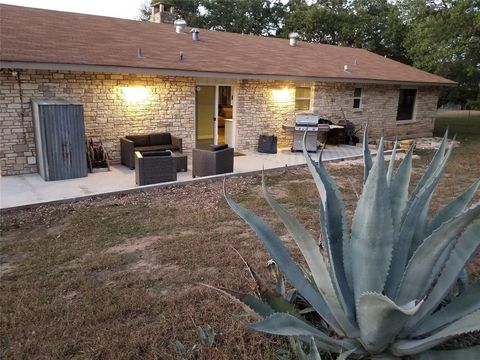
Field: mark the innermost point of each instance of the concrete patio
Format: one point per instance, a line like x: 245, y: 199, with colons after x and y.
x: 31, y: 189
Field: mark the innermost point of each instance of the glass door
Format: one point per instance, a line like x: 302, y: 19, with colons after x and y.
x: 214, y: 115
x: 205, y: 116
x: 225, y: 115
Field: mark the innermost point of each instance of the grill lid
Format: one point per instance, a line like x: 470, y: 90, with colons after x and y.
x: 306, y: 119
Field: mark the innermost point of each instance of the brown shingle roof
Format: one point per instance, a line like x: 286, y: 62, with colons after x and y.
x: 53, y: 37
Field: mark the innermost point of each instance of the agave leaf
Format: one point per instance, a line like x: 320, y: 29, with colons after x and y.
x: 391, y: 165
x: 338, y: 241
x: 248, y: 301
x: 335, y: 235
x: 367, y: 156
x: 372, y: 228
x: 346, y: 354
x: 433, y: 167
x: 407, y: 229
x: 419, y: 268
x: 472, y: 353
x: 380, y: 320
x: 460, y: 306
x: 282, y: 258
x: 438, y: 267
x: 311, y: 252
x: 421, y: 228
x: 180, y: 347
x: 463, y: 281
x: 455, y: 207
x: 279, y: 304
x: 296, y: 346
x: 466, y: 324
x: 313, y: 354
x: 288, y: 325
x: 466, y: 247
x: 399, y: 188
x: 201, y: 335
x: 334, y: 232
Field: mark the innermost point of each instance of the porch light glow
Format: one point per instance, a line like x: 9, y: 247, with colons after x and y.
x: 135, y: 94
x: 280, y: 95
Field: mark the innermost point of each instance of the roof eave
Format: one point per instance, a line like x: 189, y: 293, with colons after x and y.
x: 206, y: 74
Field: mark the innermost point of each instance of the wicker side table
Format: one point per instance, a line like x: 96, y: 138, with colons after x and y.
x: 181, y: 160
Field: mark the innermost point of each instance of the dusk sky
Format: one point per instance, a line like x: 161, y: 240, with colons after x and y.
x: 127, y: 9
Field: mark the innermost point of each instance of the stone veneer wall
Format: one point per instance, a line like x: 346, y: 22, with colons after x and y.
x: 379, y: 108
x: 258, y: 112
x: 170, y: 107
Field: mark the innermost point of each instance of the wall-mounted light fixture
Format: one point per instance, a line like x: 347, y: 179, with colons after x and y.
x: 280, y: 95
x: 135, y: 94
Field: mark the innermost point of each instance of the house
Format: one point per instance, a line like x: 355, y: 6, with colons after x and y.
x: 204, y: 86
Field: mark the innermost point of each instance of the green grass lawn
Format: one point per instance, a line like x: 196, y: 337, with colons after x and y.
x: 117, y: 276
x: 466, y: 129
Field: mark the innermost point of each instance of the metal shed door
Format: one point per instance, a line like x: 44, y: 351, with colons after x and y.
x: 64, y: 141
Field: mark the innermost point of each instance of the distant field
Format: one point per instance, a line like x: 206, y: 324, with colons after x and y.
x: 457, y: 114
x: 466, y: 128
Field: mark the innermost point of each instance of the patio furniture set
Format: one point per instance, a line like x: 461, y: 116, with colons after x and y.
x: 158, y: 157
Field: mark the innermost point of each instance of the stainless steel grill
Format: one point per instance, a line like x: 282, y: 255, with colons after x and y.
x: 308, y: 123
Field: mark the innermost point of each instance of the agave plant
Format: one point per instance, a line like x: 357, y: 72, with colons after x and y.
x: 383, y: 289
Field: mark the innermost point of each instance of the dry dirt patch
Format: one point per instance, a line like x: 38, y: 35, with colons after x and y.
x: 121, y: 279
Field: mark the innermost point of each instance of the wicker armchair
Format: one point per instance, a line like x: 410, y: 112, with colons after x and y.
x: 216, y: 160
x: 154, y: 167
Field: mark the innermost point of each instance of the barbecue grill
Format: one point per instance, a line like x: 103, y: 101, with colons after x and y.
x: 308, y: 123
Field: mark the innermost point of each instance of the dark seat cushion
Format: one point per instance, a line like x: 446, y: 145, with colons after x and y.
x: 217, y: 147
x: 139, y: 140
x: 156, y: 148
x: 155, y: 153
x: 160, y: 139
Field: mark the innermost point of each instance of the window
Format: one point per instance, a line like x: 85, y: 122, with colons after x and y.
x: 406, y: 104
x: 302, y: 98
x: 357, y: 98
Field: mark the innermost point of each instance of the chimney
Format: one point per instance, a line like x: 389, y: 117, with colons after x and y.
x: 195, y: 34
x: 162, y: 13
x: 293, y: 36
x: 180, y: 25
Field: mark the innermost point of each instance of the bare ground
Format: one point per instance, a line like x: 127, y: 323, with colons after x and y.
x: 118, y: 277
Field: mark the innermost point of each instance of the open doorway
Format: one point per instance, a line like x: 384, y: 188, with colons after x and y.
x: 214, y: 115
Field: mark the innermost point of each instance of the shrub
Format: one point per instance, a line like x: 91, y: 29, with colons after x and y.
x: 385, y: 287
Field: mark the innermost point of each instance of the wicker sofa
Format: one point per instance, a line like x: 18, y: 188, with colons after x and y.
x: 147, y: 142
x: 216, y: 160
x: 154, y: 167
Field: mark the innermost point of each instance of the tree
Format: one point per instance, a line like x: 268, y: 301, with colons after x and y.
x: 258, y: 17
x: 323, y: 21
x: 378, y: 27
x: 445, y: 39
x: 189, y: 10
x: 375, y: 25
x: 145, y: 11
x: 439, y: 36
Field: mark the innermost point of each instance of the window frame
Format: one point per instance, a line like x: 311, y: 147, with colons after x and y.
x: 414, y: 105
x: 303, y: 98
x: 359, y: 98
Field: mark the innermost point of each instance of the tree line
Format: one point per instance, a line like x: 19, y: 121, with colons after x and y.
x: 438, y: 36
